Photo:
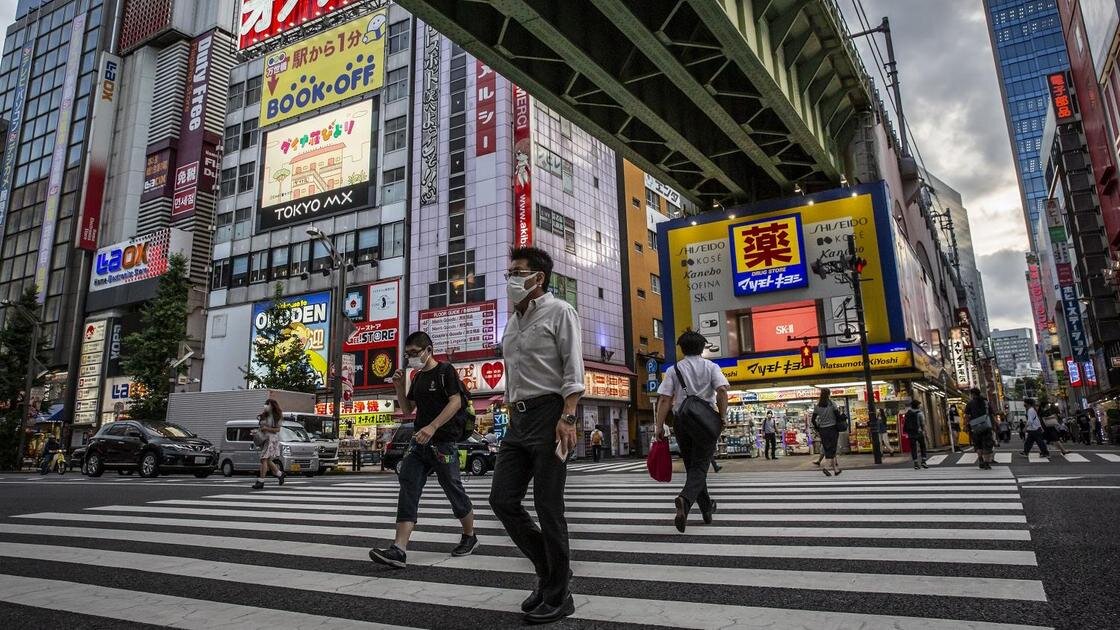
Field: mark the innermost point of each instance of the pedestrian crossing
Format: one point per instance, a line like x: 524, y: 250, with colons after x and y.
x: 1010, y: 457
x: 885, y: 549
x: 628, y: 465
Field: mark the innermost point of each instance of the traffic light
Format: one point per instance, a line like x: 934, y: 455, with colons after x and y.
x: 856, y: 264
x: 806, y: 356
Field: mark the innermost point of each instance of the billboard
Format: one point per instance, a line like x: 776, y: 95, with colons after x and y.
x: 15, y: 125
x: 316, y: 167
x: 136, y: 259
x: 471, y: 329
x: 486, y: 106
x: 97, y: 154
x: 310, y: 321
x: 1060, y: 97
x: 157, y: 175
x: 199, y: 159
x: 262, y: 20
x: 376, y: 334
x: 429, y: 118
x: 333, y: 66
x: 717, y: 268
x: 522, y: 170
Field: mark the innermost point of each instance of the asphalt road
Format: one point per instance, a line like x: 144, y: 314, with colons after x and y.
x: 1023, y: 546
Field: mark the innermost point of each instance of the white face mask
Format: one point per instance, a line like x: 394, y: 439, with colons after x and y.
x: 417, y: 362
x: 517, y: 291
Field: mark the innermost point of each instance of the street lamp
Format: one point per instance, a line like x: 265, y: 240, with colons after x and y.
x: 31, y: 361
x: 338, y: 262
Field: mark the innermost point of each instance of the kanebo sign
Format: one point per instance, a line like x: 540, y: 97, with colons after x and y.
x: 139, y: 258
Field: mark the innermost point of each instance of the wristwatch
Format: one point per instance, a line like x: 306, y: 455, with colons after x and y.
x: 569, y: 418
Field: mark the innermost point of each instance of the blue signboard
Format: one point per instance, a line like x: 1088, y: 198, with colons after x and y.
x: 768, y: 255
x: 651, y: 366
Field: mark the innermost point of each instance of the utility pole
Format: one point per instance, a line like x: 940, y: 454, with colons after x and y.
x: 339, y: 321
x: 857, y: 291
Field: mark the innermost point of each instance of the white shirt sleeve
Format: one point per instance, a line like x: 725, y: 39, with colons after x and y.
x: 569, y: 339
x: 668, y: 385
x: 718, y: 378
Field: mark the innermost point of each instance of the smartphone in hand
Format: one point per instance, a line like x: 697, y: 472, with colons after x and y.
x: 561, y: 451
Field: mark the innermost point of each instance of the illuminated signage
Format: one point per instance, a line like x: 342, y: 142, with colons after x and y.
x: 335, y: 65
x: 768, y: 255
x: 788, y: 364
x: 606, y: 386
x: 309, y: 320
x: 1090, y: 374
x: 522, y: 170
x: 136, y: 259
x: 771, y: 327
x: 262, y: 20
x: 1060, y: 96
x: 374, y: 341
x: 1073, y: 369
x: 471, y: 328
x: 316, y: 167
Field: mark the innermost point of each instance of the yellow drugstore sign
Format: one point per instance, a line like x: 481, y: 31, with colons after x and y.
x: 883, y: 357
x: 328, y: 68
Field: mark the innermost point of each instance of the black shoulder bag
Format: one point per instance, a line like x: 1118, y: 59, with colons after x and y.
x: 696, y: 411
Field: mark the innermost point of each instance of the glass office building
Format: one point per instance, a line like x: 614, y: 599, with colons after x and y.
x: 1028, y: 45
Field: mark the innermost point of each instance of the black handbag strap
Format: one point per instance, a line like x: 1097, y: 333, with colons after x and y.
x: 680, y: 377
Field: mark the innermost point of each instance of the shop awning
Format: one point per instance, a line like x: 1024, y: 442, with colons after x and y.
x: 53, y: 415
x: 610, y: 368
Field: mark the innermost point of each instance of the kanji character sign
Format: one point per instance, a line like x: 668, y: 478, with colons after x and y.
x: 767, y: 245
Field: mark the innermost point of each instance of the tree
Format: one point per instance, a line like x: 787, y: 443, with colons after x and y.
x: 15, y: 348
x: 147, y: 355
x: 279, y: 358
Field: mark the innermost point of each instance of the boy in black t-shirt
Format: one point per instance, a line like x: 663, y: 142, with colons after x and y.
x: 437, y: 396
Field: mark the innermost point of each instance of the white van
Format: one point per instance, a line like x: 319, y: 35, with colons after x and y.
x: 298, y: 454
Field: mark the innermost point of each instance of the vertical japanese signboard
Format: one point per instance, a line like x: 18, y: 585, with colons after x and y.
x: 262, y: 20
x: 198, y: 156
x: 15, y: 124
x: 89, y: 372
x: 1038, y: 300
x: 1071, y: 308
x: 328, y: 68
x: 522, y: 170
x: 1073, y: 370
x: 1060, y: 96
x: 59, y: 155
x: 429, y: 118
x: 97, y: 155
x: 486, y: 101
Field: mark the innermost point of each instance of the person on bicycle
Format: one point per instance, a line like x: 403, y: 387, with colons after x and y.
x: 51, y: 447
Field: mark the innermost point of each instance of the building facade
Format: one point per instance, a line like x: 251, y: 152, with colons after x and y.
x: 1014, y: 349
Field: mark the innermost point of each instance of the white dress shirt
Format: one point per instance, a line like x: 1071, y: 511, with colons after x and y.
x: 702, y: 376
x: 1033, y: 421
x: 543, y: 350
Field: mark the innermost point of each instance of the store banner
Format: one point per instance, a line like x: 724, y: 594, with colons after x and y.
x: 429, y: 117
x: 140, y: 258
x: 604, y: 386
x: 1071, y: 307
x: 1038, y: 298
x: 15, y: 126
x: 522, y: 169
x: 1073, y: 370
x: 199, y: 158
x: 787, y: 364
x: 59, y: 154
x: 375, y: 337
x: 310, y: 320
x: 264, y: 20
x: 97, y: 152
x: 665, y: 191
x: 157, y: 175
x: 769, y: 255
x: 331, y: 67
x: 317, y: 167
x: 486, y: 108
x: 470, y: 330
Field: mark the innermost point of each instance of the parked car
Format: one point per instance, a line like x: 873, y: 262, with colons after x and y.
x: 298, y: 453
x: 476, y: 455
x: 77, y: 458
x: 149, y: 448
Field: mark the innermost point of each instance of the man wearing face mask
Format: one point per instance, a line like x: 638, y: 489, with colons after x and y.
x: 437, y: 396
x: 543, y: 351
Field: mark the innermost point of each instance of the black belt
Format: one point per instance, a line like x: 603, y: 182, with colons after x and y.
x: 521, y: 406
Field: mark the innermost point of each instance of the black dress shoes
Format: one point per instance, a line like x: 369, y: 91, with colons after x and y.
x: 534, y: 600
x: 547, y: 613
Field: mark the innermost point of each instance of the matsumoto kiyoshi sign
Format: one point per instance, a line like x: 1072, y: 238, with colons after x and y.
x: 328, y: 68
x: 310, y: 321
x: 768, y: 255
x: 317, y: 167
x: 137, y: 259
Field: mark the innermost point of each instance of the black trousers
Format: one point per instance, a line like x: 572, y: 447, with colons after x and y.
x: 918, y: 440
x: 528, y: 453
x: 771, y: 446
x: 419, y: 461
x: 596, y: 452
x: 1037, y: 436
x: 697, y: 448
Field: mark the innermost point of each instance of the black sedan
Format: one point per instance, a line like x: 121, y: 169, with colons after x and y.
x: 149, y: 448
x: 476, y: 455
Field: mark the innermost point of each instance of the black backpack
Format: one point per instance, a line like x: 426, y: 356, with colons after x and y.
x: 911, y: 425
x: 696, y: 412
x: 464, y: 418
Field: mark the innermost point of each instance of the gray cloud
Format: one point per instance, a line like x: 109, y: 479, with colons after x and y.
x: 952, y: 101
x: 1005, y: 288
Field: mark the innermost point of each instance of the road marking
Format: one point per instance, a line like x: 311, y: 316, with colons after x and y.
x: 1008, y: 492
x: 157, y: 609
x: 967, y: 458
x: 591, y: 607
x: 936, y: 459
x: 1112, y: 457
x: 1078, y: 487
x: 1037, y: 458
x: 1023, y: 480
x: 1076, y: 458
x: 1003, y: 458
x: 690, y: 546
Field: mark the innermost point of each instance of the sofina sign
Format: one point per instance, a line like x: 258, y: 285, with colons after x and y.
x: 768, y: 255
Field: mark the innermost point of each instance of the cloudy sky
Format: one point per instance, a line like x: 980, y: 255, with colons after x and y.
x: 952, y: 101
x: 951, y: 98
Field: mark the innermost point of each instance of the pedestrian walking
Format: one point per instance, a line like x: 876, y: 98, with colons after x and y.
x: 1035, y: 434
x: 543, y: 351
x: 980, y: 429
x: 1004, y: 429
x: 827, y: 420
x: 770, y: 434
x: 914, y: 425
x: 1084, y: 428
x: 1050, y: 428
x: 597, y: 443
x: 955, y: 427
x: 268, y: 440
x: 693, y: 377
x: 1098, y: 430
x: 440, y: 404
x: 1022, y: 429
x: 884, y: 433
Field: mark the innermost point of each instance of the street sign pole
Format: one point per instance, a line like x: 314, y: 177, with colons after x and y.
x: 857, y: 291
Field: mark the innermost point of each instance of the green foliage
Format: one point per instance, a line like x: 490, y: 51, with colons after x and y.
x: 15, y: 349
x: 280, y: 359
x: 147, y: 355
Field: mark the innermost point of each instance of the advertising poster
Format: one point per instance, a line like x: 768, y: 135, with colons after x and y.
x: 97, y: 155
x: 472, y: 328
x: 486, y: 105
x: 316, y: 167
x: 722, y: 271
x: 136, y: 259
x: 157, y: 175
x: 198, y: 157
x: 262, y: 20
x: 522, y: 170
x: 375, y: 337
x: 15, y: 125
x: 328, y: 68
x: 311, y: 323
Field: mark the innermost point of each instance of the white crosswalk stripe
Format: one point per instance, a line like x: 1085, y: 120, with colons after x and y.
x: 862, y: 551
x: 1009, y: 457
x: 613, y: 467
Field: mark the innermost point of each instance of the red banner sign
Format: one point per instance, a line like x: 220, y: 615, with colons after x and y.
x: 1038, y: 300
x: 261, y: 20
x: 1060, y: 96
x: 199, y: 159
x: 485, y: 124
x: 522, y: 170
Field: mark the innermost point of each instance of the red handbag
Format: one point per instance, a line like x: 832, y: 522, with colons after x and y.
x: 659, y: 462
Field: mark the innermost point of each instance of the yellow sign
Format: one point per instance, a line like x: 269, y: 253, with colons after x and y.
x: 328, y: 68
x: 768, y: 255
x: 884, y: 357
x: 367, y: 419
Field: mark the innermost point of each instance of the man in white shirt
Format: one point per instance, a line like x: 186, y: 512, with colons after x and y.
x: 701, y: 378
x: 1035, y: 433
x: 543, y: 350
